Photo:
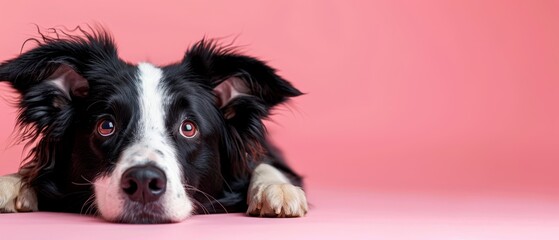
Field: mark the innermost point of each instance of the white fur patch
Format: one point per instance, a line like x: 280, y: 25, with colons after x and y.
x: 151, y: 146
x: 271, y: 194
x: 14, y: 196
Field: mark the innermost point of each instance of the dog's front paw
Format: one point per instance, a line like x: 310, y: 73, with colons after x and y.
x: 277, y: 200
x: 14, y: 197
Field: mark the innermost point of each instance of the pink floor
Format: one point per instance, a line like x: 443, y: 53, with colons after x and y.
x: 335, y: 214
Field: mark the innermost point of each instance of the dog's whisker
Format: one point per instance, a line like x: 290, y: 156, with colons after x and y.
x: 201, y: 206
x: 82, y: 184
x: 89, y: 203
x: 87, y: 180
x: 187, y: 187
x: 225, y: 181
x: 208, y: 196
x: 92, y: 209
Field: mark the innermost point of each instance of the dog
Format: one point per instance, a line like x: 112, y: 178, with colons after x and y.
x: 140, y: 143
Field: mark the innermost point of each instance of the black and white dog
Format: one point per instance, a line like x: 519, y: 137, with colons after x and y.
x: 145, y: 143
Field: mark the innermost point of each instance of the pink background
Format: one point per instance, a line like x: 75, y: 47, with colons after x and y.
x: 449, y: 99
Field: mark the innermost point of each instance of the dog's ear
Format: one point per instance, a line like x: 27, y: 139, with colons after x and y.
x: 50, y: 77
x: 38, y: 69
x: 50, y: 80
x: 245, y: 89
x: 234, y: 76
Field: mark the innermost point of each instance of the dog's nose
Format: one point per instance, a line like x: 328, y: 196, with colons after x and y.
x: 144, y: 184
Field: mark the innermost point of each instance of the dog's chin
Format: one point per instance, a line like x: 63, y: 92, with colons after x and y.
x: 144, y: 216
x: 136, y: 213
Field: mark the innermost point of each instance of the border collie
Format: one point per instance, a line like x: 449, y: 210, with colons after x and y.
x: 145, y: 143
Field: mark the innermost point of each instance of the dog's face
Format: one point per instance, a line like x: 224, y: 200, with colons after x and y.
x: 152, y: 136
x: 147, y: 138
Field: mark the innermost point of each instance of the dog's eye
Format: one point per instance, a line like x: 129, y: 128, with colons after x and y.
x: 188, y: 129
x: 105, y: 128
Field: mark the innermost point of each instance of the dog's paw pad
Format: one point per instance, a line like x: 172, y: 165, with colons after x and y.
x: 14, y: 197
x: 277, y: 200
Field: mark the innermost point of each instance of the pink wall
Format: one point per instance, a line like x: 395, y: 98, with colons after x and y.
x: 441, y: 96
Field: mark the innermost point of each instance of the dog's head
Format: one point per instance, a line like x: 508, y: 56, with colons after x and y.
x: 146, y: 138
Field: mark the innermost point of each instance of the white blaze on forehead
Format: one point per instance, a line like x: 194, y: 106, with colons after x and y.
x: 151, y: 145
x: 152, y: 121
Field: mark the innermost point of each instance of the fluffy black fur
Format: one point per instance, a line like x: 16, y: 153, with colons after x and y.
x: 66, y: 154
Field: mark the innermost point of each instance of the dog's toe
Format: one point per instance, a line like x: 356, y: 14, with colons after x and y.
x: 26, y: 201
x: 14, y: 197
x: 277, y: 200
